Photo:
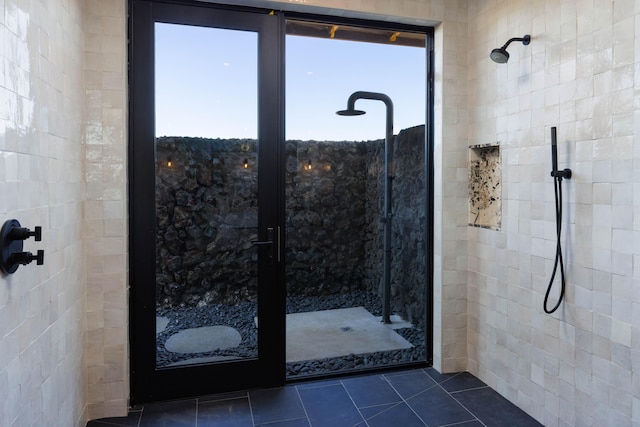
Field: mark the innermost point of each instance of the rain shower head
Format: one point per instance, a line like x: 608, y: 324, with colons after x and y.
x: 350, y: 112
x: 501, y: 56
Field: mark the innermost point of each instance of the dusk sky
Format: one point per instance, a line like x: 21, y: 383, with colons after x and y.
x: 206, y: 84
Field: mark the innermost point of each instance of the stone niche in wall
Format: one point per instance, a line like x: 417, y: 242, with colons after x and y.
x: 485, y: 187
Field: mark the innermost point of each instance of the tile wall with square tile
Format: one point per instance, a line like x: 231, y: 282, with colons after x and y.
x: 64, y: 147
x: 63, y: 347
x: 581, y: 74
x: 105, y: 223
x: 63, y: 166
x: 43, y: 373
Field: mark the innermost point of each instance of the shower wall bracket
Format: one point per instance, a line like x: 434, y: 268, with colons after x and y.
x: 565, y: 173
x: 12, y: 236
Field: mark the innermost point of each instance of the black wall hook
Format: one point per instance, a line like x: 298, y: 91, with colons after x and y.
x: 12, y: 256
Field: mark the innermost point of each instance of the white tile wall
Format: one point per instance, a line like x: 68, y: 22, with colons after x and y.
x: 42, y: 359
x: 63, y: 349
x: 63, y: 166
x: 580, y: 73
x: 105, y: 207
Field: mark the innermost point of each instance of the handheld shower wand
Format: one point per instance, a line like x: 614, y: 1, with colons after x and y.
x: 554, y: 152
x: 557, y: 186
x: 557, y: 175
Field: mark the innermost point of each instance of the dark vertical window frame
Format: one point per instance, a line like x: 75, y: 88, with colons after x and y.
x: 141, y: 175
x: 429, y: 209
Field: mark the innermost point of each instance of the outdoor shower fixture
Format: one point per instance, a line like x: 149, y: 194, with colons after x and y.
x: 501, y: 56
x: 388, y: 160
x: 557, y: 176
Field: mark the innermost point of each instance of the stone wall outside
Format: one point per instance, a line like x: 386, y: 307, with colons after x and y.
x: 408, y: 268
x: 207, y: 216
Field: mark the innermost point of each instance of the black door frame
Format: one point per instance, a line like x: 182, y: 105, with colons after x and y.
x: 429, y: 146
x: 147, y: 382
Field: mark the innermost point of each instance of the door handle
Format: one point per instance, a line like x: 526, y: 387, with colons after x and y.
x: 268, y: 242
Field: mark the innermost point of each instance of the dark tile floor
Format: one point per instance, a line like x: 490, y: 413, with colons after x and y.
x: 419, y: 397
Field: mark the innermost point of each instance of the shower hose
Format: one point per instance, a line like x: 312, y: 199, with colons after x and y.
x: 557, y: 186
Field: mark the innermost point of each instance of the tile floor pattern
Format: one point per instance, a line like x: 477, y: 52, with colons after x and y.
x: 418, y: 397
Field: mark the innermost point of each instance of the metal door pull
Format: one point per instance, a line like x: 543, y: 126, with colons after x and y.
x: 270, y: 241
x: 261, y: 242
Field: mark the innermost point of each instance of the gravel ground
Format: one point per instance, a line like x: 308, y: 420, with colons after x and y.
x: 241, y: 318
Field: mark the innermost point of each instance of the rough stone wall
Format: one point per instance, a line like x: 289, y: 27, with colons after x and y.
x: 374, y: 207
x: 325, y: 207
x: 409, y: 221
x: 207, y: 216
x: 408, y: 224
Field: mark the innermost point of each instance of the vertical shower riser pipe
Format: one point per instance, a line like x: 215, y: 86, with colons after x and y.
x: 388, y: 173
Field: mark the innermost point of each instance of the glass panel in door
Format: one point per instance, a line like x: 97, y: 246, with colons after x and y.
x: 206, y: 127
x: 206, y: 194
x: 340, y: 271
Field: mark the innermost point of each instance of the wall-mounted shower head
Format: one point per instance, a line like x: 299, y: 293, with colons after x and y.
x: 501, y: 56
x: 350, y: 112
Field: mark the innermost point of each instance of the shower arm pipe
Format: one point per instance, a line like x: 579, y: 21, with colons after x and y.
x: 525, y: 41
x: 388, y: 173
x: 351, y: 103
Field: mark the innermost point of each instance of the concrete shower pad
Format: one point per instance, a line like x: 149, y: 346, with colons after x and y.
x: 206, y: 338
x: 333, y: 333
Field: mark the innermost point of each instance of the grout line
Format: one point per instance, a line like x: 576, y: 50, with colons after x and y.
x: 459, y: 403
x: 282, y: 420
x: 354, y: 405
x: 463, y: 422
x: 419, y: 393
x: 303, y: 407
x: 449, y: 378
x: 253, y: 420
x: 383, y: 404
x: 197, y: 407
x: 391, y: 406
x: 210, y: 400
x: 405, y: 400
x: 312, y: 386
x: 439, y: 384
x: 468, y: 389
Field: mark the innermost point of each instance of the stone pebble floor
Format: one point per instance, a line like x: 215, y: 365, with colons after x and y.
x: 241, y: 318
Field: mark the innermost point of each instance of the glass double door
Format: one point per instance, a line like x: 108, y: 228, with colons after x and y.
x: 205, y: 232
x: 256, y: 259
